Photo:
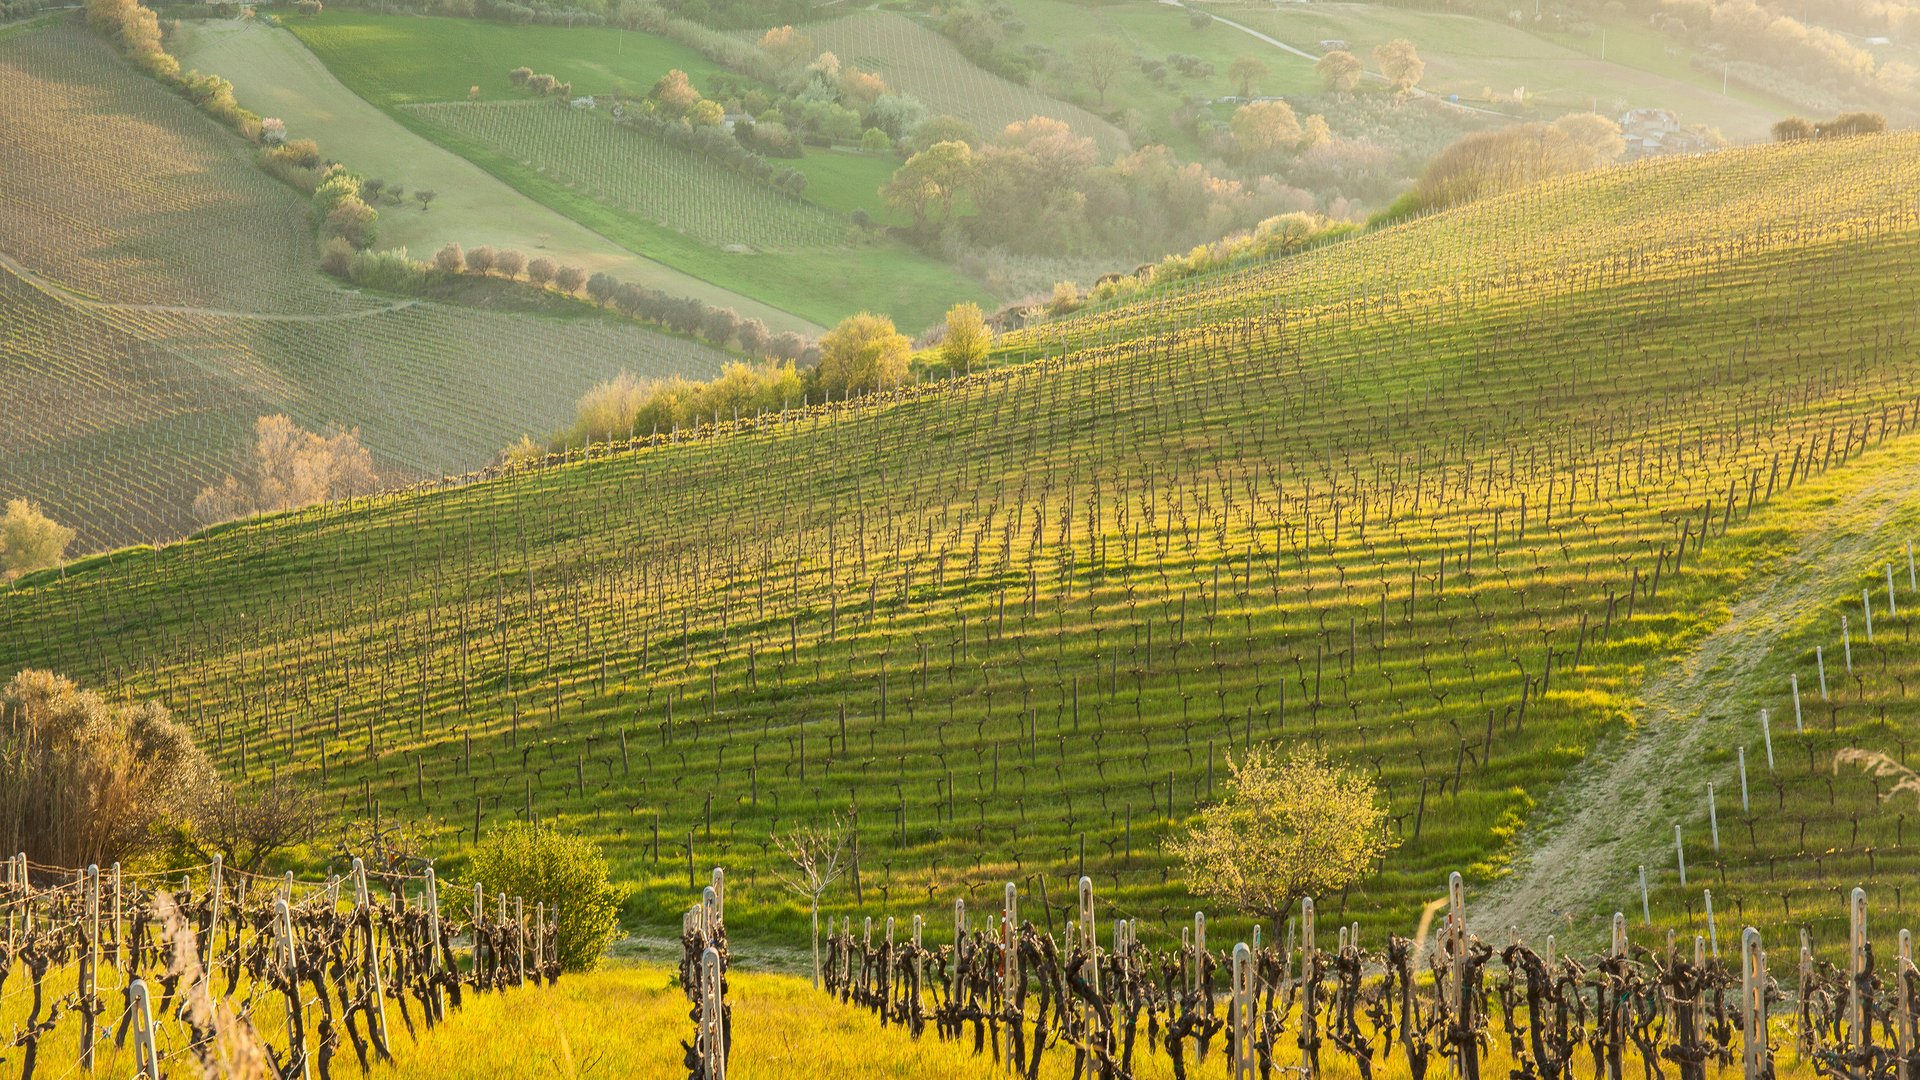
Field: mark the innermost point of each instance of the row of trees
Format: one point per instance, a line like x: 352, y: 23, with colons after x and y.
x: 1797, y: 128
x: 540, y: 84
x: 1486, y: 163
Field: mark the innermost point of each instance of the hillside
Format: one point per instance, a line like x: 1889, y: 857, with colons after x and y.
x: 158, y: 294
x: 1447, y: 514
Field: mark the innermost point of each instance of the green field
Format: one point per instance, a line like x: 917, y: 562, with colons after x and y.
x: 407, y: 59
x: 1449, y: 501
x: 275, y: 75
x: 401, y: 64
x: 158, y: 294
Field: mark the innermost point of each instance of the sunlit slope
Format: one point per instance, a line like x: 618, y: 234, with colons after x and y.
x: 158, y: 294
x: 1014, y: 625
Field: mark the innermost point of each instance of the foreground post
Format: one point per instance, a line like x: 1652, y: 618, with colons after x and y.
x: 1753, y: 1003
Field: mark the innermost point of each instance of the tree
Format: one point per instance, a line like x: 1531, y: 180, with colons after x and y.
x: 569, y: 279
x: 864, y: 352
x: 29, y: 539
x: 706, y: 114
x: 1245, y: 72
x: 602, y: 286
x: 1340, y: 72
x: 815, y: 855
x: 353, y: 220
x: 519, y: 76
x: 926, y: 185
x: 1262, y: 129
x: 1100, y: 59
x: 673, y: 93
x: 450, y: 259
x: 1286, y: 830
x: 541, y: 270
x: 1401, y: 64
x: 1596, y: 137
x: 425, y: 195
x: 291, y: 467
x: 753, y: 336
x: 718, y: 325
x: 873, y: 140
x: 967, y: 339
x: 246, y: 828
x: 510, y: 262
x: 480, y: 260
x: 541, y: 863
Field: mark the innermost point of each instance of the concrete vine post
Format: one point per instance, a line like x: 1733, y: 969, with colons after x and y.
x: 713, y: 1024
x: 1309, y: 990
x: 1753, y: 1004
x: 370, y: 952
x: 1903, y: 969
x: 146, y: 1061
x: 90, y: 968
x: 434, y: 958
x: 1858, y: 1034
x: 288, y: 961
x: 213, y: 919
x: 1241, y: 1049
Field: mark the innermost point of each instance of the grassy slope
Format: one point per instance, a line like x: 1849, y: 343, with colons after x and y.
x: 1031, y: 612
x: 134, y: 363
x: 275, y: 75
x: 396, y: 60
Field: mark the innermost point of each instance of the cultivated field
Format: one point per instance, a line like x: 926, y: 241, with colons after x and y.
x: 639, y: 174
x: 920, y: 61
x: 1451, y: 526
x: 159, y: 294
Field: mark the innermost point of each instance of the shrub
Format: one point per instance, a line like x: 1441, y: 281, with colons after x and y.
x: 519, y: 76
x: 864, y: 352
x: 967, y: 337
x: 353, y: 220
x: 336, y: 257
x: 84, y: 780
x: 541, y: 863
x: 1287, y: 829
x: 29, y: 539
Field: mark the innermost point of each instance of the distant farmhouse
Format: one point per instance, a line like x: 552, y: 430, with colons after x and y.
x: 1652, y: 132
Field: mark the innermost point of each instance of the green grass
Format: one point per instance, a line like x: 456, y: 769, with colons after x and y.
x: 846, y: 180
x: 401, y: 59
x: 1406, y: 498
x: 396, y: 60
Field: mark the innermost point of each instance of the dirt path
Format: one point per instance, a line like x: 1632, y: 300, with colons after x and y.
x: 65, y: 295
x: 1617, y: 811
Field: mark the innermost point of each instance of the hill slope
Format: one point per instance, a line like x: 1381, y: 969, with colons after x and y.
x: 1439, y: 514
x: 158, y: 294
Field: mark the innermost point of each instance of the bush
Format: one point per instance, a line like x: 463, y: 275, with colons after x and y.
x: 540, y: 863
x: 29, y: 539
x: 864, y: 352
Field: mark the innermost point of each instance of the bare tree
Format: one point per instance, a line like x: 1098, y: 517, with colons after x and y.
x: 815, y: 854
x: 246, y: 827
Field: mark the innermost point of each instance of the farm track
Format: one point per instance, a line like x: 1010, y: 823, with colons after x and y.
x: 1617, y: 812
x: 60, y: 292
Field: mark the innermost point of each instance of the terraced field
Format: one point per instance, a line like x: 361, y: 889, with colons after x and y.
x: 158, y: 294
x: 1445, y: 501
x: 917, y: 60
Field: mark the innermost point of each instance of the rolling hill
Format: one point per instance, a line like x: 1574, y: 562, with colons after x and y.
x: 158, y: 294
x: 1453, y: 501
